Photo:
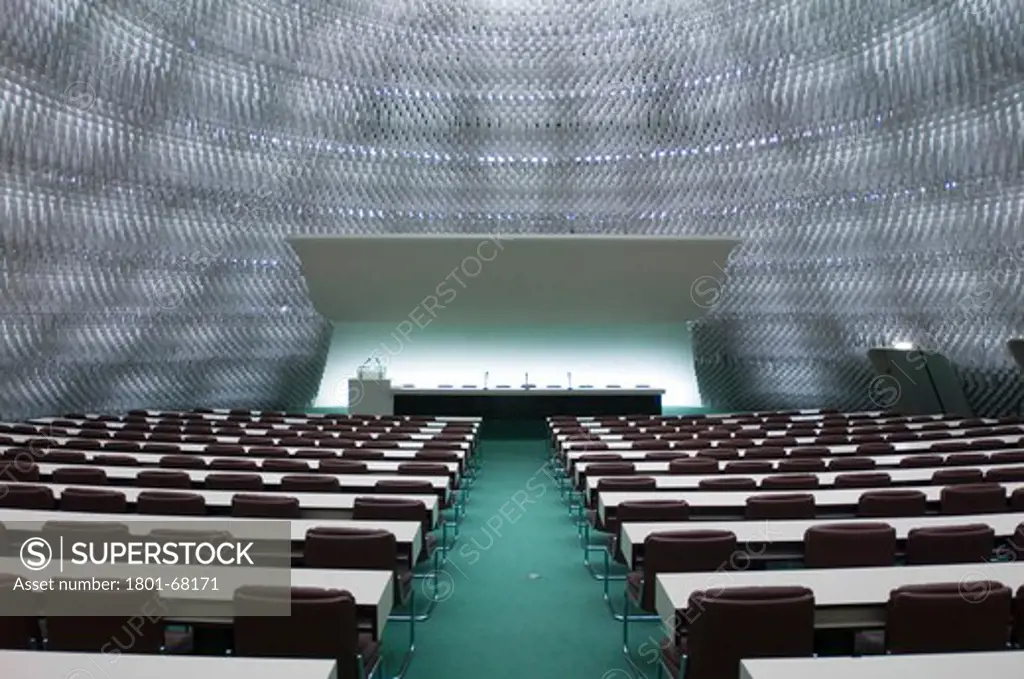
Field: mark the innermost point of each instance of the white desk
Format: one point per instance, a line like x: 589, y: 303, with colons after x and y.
x: 56, y: 665
x: 736, y: 501
x: 369, y: 588
x: 416, y: 443
x: 151, y: 461
x: 921, y: 475
x: 883, y: 463
x: 519, y: 391
x: 253, y: 425
x: 626, y: 450
x: 850, y: 427
x: 311, y: 505
x: 360, y: 481
x: 405, y: 532
x: 750, y: 533
x: 843, y: 597
x: 617, y: 443
x: 923, y: 666
x: 804, y: 415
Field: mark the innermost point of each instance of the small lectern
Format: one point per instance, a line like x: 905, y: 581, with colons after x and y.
x: 370, y: 392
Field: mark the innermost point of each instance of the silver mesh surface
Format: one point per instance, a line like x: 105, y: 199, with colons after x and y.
x: 155, y: 153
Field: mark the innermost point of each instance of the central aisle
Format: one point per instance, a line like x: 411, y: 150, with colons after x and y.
x: 519, y: 602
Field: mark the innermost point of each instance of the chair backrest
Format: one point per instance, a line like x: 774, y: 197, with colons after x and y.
x: 652, y: 510
x: 957, y: 475
x: 978, y: 498
x: 802, y: 464
x: 948, y: 618
x: 1017, y: 500
x: 93, y: 500
x: 83, y: 476
x: 163, y: 479
x: 611, y: 469
x: 892, y: 503
x: 170, y: 503
x: 1008, y: 473
x: 351, y: 548
x: 1018, y: 618
x: 393, y: 509
x: 719, y: 453
x: 67, y: 629
x: 361, y: 454
x: 63, y: 456
x: 749, y: 467
x: 322, y: 624
x: 686, y: 551
x: 24, y: 496
x: 276, y: 464
x: 764, y: 453
x: 966, y: 460
x: 310, y: 483
x: 275, y: 506
x: 759, y: 622
x: 921, y: 461
x: 403, y: 486
x: 790, y: 481
x: 810, y: 452
x: 234, y: 482
x: 966, y: 543
x: 626, y: 483
x: 182, y: 462
x: 851, y: 462
x: 849, y: 545
x: 343, y: 466
x: 780, y: 506
x: 727, y: 483
x: 18, y: 633
x: 862, y: 480
x: 693, y: 465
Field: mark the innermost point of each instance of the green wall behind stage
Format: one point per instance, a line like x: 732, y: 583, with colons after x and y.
x: 659, y: 355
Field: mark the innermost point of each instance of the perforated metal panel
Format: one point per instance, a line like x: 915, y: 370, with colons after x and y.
x: 156, y: 152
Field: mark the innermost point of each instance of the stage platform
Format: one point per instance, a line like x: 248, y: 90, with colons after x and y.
x: 520, y: 404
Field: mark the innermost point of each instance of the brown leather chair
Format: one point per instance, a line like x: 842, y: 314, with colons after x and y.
x: 19, y: 469
x: 727, y: 483
x: 1018, y: 618
x: 234, y: 482
x: 25, y: 496
x: 80, y: 476
x: 362, y: 454
x: 1005, y: 473
x: 851, y: 463
x: 965, y: 460
x: 978, y: 498
x: 310, y: 483
x: 67, y: 629
x: 64, y: 456
x: 284, y: 465
x: 107, y: 460
x: 227, y: 449
x: 684, y: 551
x: 170, y: 503
x: 948, y: 618
x: 802, y: 464
x: 720, y: 454
x: 862, y: 480
x: 163, y: 479
x: 357, y: 549
x: 760, y: 622
x: 780, y: 506
x: 276, y: 506
x: 956, y: 475
x: 21, y: 632
x: 892, y: 503
x: 399, y: 509
x: 790, y: 481
x: 968, y: 543
x: 233, y: 464
x: 749, y: 467
x: 343, y: 466
x: 921, y: 460
x: 321, y: 624
x: 694, y: 465
x: 93, y: 500
x: 849, y: 545
x: 645, y: 511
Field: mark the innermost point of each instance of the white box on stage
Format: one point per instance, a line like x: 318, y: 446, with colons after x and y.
x: 370, y: 392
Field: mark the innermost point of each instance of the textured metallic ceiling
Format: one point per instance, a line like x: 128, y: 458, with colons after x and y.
x: 154, y: 154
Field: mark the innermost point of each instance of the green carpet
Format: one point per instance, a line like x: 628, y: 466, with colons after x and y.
x: 518, y: 602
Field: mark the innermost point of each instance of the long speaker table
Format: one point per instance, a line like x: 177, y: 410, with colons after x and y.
x: 511, y: 404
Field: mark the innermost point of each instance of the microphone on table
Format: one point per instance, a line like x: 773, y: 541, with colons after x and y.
x: 569, y: 376
x: 486, y: 375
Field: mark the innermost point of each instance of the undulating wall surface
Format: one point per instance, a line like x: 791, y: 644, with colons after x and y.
x: 658, y: 355
x: 155, y: 152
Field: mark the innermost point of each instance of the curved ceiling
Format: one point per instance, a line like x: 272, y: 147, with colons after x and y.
x: 156, y: 154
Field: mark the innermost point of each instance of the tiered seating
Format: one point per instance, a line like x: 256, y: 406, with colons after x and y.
x: 784, y: 531
x: 363, y: 498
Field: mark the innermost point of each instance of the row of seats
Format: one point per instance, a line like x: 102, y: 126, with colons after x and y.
x: 984, y: 498
x: 709, y: 464
x: 266, y: 438
x: 175, y: 502
x: 795, y: 429
x: 772, y: 417
x: 943, y: 441
x: 322, y: 624
x: 779, y: 622
x: 344, y: 464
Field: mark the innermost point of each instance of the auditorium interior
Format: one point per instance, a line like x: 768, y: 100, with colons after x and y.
x: 421, y: 339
